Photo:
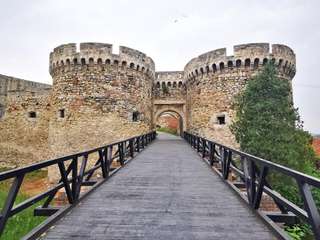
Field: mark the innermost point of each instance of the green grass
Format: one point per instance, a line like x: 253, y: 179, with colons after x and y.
x: 21, y: 223
x: 168, y: 130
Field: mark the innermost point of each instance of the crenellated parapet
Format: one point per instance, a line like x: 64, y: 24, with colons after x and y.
x: 66, y: 57
x: 246, y: 56
x: 169, y: 79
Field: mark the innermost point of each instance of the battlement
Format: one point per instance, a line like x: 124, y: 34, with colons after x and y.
x: 251, y: 49
x: 218, y: 53
x: 169, y: 79
x: 248, y: 56
x: 169, y: 75
x: 92, y: 53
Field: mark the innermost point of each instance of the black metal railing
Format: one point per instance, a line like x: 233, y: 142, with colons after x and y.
x: 251, y: 173
x: 74, y: 174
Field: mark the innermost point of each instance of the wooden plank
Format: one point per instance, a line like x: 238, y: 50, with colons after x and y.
x: 166, y: 192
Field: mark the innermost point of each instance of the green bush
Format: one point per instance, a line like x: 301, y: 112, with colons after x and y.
x: 168, y: 130
x: 299, y: 231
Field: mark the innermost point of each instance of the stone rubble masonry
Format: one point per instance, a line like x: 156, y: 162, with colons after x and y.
x: 169, y: 85
x: 99, y: 92
x: 11, y: 87
x: 98, y: 97
x: 214, y: 79
x: 22, y: 139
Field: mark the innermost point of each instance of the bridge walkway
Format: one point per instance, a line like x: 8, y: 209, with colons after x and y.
x: 166, y: 192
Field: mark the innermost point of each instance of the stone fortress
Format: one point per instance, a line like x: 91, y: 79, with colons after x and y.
x: 98, y: 97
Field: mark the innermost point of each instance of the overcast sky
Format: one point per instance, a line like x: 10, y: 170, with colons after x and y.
x: 170, y: 32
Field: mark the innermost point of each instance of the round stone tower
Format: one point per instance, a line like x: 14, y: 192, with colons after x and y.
x: 213, y: 79
x: 98, y: 97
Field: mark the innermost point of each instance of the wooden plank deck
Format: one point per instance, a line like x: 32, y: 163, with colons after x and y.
x: 166, y: 192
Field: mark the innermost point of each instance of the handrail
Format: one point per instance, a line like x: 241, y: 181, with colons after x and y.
x: 121, y: 151
x: 253, y: 173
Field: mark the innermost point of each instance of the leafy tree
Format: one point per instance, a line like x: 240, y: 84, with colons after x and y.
x: 267, y: 124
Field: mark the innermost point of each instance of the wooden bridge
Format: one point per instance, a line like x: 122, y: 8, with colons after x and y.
x: 166, y: 192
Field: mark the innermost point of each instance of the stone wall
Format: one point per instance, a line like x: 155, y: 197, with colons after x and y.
x: 23, y: 139
x: 99, y: 97
x: 24, y: 130
x: 169, y: 91
x: 104, y: 97
x: 213, y: 80
x: 16, y: 87
x: 169, y: 86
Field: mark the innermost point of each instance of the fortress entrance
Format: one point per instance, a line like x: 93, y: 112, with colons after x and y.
x: 170, y: 115
x: 170, y: 121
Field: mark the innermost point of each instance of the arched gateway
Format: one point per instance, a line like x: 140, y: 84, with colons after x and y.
x: 121, y: 93
x: 169, y: 97
x: 176, y: 113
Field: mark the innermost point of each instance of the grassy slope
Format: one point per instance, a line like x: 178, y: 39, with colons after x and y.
x: 168, y: 130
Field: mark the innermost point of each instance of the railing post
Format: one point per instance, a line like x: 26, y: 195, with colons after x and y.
x: 121, y: 155
x: 226, y: 165
x: 251, y: 181
x: 81, y: 175
x: 106, y: 161
x: 64, y: 178
x: 5, y: 213
x: 198, y: 144
x: 110, y: 152
x: 102, y: 163
x: 204, y: 145
x: 142, y: 141
x: 310, y: 207
x: 74, y: 176
x: 222, y: 158
x: 211, y: 153
x: 138, y: 144
x: 194, y: 142
x: 261, y: 183
x: 131, y: 147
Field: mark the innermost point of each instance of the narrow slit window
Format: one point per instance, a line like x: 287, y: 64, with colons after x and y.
x: 221, y: 120
x: 32, y: 114
x: 135, y: 116
x: 61, y: 113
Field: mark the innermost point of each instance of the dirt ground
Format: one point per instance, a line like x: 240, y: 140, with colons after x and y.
x: 32, y: 187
